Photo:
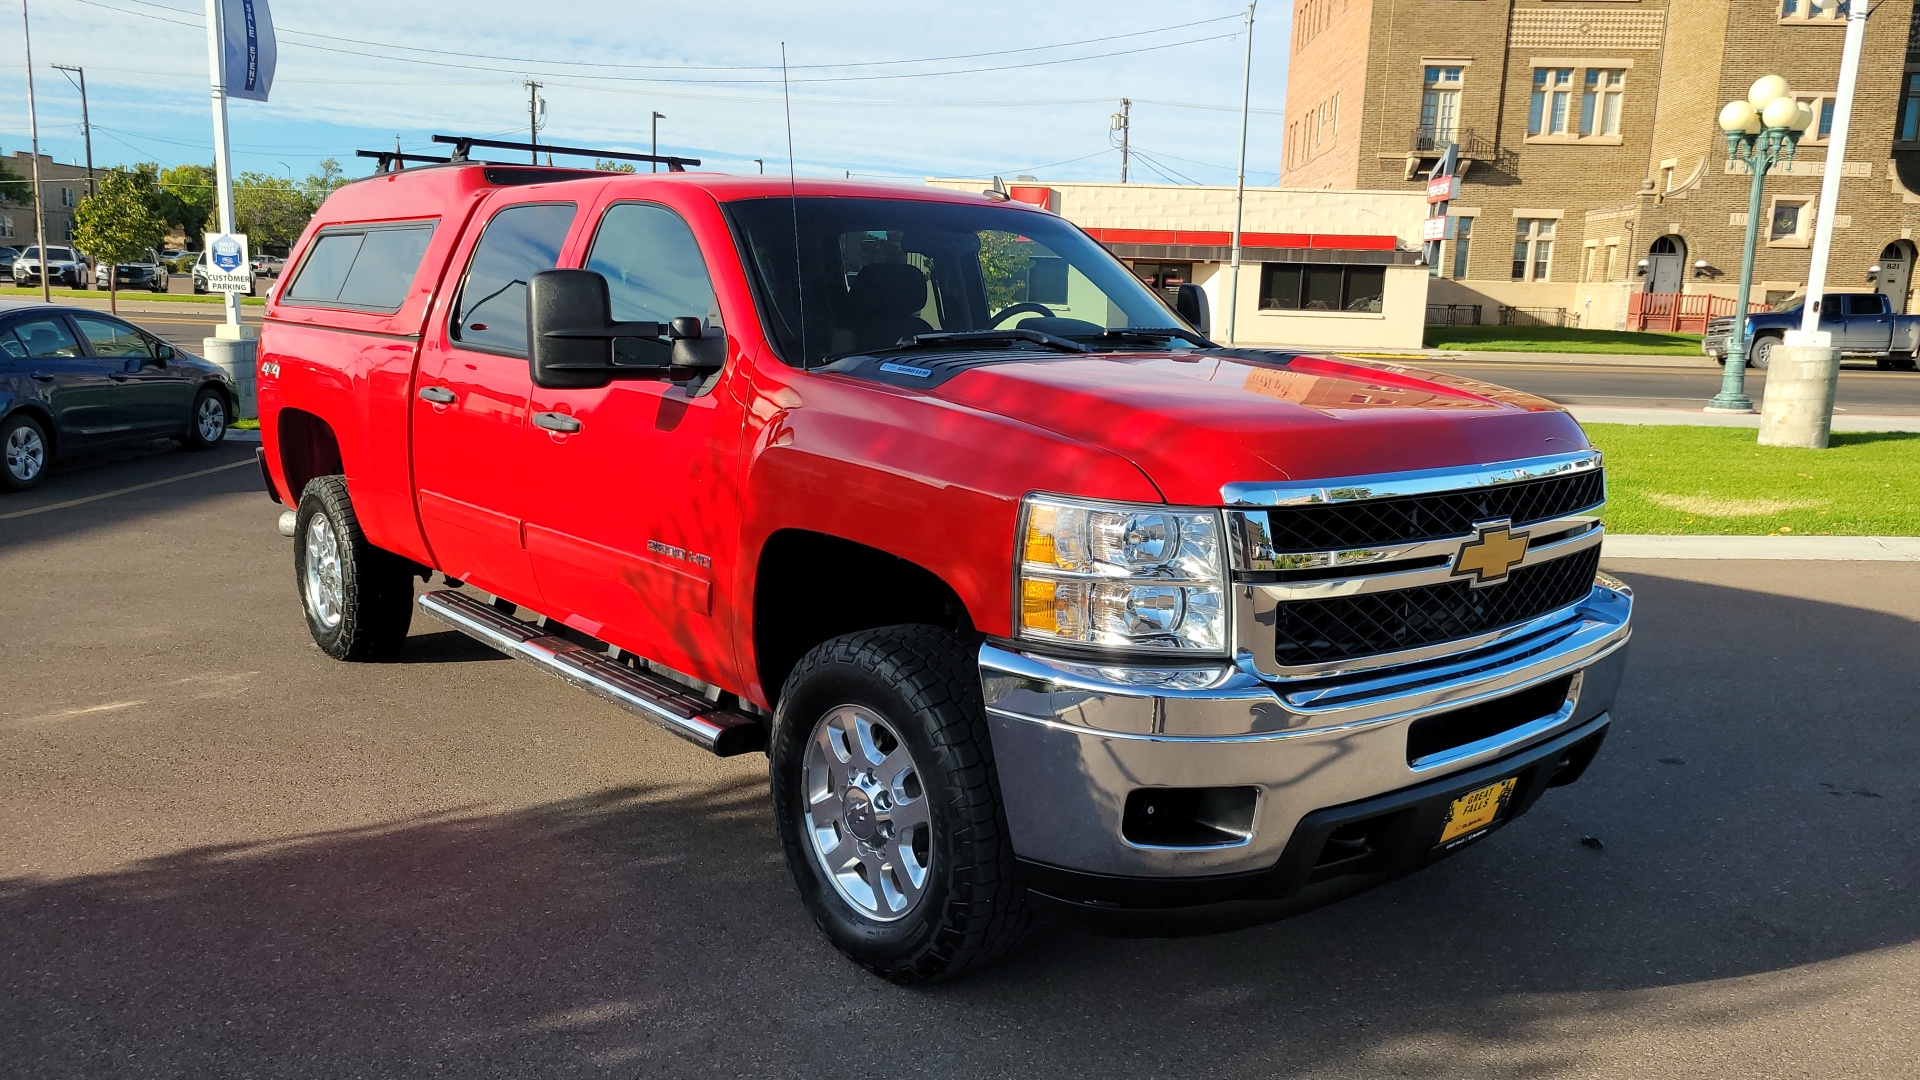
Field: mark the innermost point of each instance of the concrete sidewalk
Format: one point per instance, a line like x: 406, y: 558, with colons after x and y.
x: 1428, y: 356
x: 1842, y: 422
x: 1791, y: 548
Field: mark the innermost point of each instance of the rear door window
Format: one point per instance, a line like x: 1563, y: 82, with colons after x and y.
x: 520, y: 241
x: 365, y: 268
x: 45, y: 337
x: 1864, y: 305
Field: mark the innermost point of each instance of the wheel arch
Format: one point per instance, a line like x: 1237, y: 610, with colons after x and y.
x: 307, y: 448
x: 812, y: 586
x: 42, y: 414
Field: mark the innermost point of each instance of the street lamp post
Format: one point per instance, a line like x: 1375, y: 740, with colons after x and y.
x: 1762, y: 132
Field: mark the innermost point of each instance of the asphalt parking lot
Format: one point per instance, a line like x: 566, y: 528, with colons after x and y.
x: 222, y: 854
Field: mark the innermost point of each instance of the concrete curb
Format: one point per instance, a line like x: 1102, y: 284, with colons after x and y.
x: 1459, y: 356
x: 1786, y: 548
x: 1844, y: 422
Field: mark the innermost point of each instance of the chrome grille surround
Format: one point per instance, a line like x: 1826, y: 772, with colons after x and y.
x: 1266, y: 577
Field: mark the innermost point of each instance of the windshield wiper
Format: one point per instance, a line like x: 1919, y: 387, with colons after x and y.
x: 1010, y: 335
x: 1151, y: 335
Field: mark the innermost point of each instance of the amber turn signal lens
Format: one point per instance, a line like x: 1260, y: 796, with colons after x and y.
x: 1039, y: 548
x: 1038, y: 610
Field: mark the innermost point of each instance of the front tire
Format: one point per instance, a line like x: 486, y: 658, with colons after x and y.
x: 888, y: 805
x: 1762, y: 355
x: 209, y: 422
x: 358, y: 598
x: 25, y: 453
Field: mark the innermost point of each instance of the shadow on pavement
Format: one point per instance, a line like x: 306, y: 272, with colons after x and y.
x: 1755, y: 802
x: 40, y: 516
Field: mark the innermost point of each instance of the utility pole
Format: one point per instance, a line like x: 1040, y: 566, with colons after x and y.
x: 1122, y: 122
x: 1240, y: 183
x: 86, y: 126
x: 33, y: 125
x: 657, y: 117
x: 533, y: 120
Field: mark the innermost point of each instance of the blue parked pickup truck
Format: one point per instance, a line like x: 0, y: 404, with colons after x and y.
x: 1862, y: 324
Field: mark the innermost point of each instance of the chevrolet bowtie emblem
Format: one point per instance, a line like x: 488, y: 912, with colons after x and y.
x: 1493, y: 552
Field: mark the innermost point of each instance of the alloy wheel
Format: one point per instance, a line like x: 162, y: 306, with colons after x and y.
x: 26, y: 453
x: 326, y: 594
x: 212, y: 420
x: 867, y: 815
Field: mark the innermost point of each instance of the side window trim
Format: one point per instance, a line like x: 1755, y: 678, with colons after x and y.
x: 457, y: 308
x: 292, y: 274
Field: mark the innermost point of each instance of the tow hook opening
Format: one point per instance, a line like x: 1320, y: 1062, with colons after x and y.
x: 1189, y: 817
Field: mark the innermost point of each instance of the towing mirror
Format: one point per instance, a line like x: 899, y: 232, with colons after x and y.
x: 571, y: 332
x: 1190, y: 303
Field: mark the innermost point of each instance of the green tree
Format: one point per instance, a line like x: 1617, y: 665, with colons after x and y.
x: 609, y: 165
x: 186, y: 199
x: 1004, y: 259
x: 117, y: 225
x: 15, y: 188
x: 317, y: 186
x: 269, y: 209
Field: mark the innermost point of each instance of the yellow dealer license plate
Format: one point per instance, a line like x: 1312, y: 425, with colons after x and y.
x: 1477, y: 809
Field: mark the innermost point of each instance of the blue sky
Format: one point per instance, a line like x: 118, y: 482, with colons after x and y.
x: 353, y: 74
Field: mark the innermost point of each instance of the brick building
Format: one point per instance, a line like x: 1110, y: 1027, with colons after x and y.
x: 1594, y: 166
x: 63, y: 186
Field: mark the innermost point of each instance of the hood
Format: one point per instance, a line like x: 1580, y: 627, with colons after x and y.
x: 1196, y: 421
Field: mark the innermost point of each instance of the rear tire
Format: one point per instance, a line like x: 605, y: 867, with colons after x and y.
x: 25, y: 453
x: 882, y: 735
x: 358, y: 598
x: 209, y: 421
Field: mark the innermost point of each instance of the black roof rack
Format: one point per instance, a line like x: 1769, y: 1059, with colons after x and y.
x: 389, y: 158
x: 463, y: 150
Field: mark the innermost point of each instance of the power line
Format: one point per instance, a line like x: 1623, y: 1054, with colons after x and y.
x: 709, y: 67
x: 683, y: 81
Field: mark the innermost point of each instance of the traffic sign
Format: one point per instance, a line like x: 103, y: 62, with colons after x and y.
x: 228, y: 268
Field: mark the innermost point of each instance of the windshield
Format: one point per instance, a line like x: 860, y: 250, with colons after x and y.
x: 873, y: 273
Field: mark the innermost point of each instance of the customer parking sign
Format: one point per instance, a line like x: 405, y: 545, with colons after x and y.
x: 229, y: 270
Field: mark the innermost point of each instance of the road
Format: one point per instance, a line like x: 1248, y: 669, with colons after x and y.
x: 224, y: 855
x: 1686, y: 384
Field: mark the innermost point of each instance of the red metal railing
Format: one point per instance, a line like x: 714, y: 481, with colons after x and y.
x: 1680, y: 313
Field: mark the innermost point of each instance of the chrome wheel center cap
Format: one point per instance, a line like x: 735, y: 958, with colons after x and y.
x: 860, y: 818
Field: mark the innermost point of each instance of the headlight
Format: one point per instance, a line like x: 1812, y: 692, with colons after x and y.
x: 1130, y: 577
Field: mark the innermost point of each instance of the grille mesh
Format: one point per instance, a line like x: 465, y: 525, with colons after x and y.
x: 1380, y: 522
x: 1345, y: 627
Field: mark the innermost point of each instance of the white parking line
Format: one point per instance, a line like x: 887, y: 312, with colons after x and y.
x: 123, y: 491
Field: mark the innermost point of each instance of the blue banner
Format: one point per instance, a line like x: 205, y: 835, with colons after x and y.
x: 247, y: 50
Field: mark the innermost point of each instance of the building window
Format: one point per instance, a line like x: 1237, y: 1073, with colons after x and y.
x: 1807, y: 11
x: 1533, y: 248
x: 1462, y: 241
x: 1910, y: 108
x: 1788, y: 222
x: 1321, y: 287
x: 1600, y: 105
x: 66, y: 196
x: 6, y: 225
x: 1552, y: 98
x: 1613, y: 262
x: 1440, y: 105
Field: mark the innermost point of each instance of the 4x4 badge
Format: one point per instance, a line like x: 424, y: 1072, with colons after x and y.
x: 1492, y: 553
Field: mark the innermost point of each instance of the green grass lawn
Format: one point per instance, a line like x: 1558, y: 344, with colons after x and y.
x: 127, y: 294
x: 1719, y: 481
x: 1560, y: 340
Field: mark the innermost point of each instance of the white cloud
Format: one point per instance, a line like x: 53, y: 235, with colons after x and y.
x: 146, y: 78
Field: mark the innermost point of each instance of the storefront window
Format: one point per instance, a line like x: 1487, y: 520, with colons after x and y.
x: 1321, y: 287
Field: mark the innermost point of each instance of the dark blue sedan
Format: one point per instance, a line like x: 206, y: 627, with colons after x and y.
x: 73, y: 379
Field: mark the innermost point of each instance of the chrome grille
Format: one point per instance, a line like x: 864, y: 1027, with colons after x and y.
x: 1373, y: 523
x: 1332, y: 629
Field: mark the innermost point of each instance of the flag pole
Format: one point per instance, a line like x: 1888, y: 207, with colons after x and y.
x: 222, y: 155
x: 1240, y: 185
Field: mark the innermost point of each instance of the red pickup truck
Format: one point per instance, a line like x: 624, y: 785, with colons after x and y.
x: 1029, y: 591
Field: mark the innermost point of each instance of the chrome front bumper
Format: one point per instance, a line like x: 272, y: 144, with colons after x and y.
x: 1072, y: 739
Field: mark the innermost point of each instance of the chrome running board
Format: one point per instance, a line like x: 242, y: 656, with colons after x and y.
x: 711, y: 727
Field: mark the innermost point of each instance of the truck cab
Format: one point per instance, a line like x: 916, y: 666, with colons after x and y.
x: 1030, y: 592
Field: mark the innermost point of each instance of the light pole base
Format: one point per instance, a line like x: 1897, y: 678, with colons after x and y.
x: 1798, y: 410
x: 1743, y: 407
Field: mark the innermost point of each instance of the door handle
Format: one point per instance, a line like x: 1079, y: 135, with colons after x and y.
x: 41, y: 376
x: 439, y: 395
x: 117, y: 376
x: 555, y: 421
